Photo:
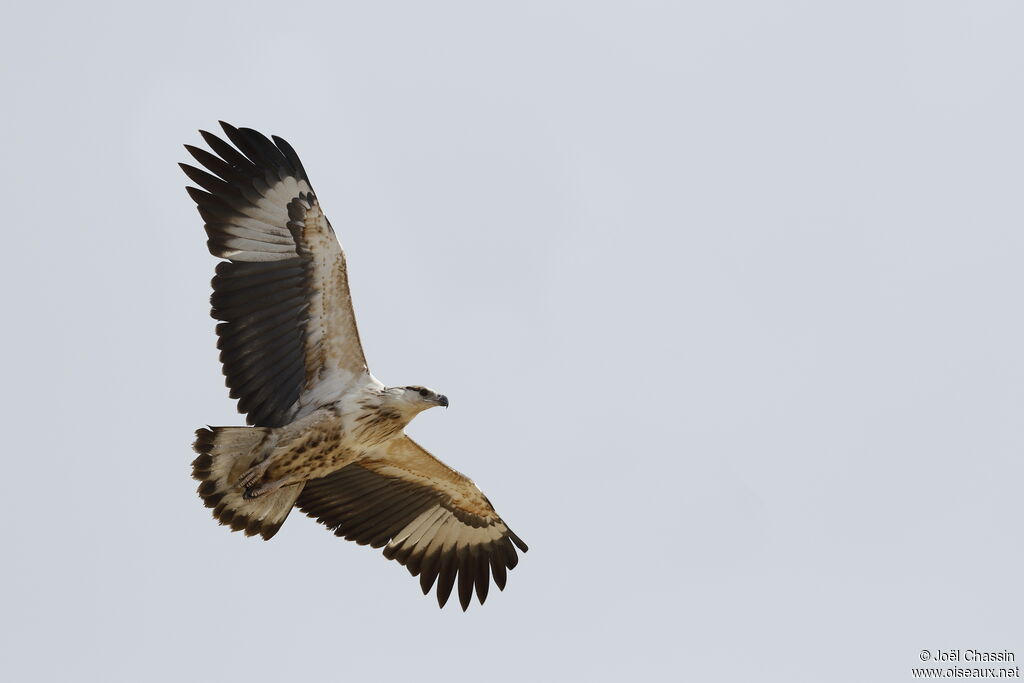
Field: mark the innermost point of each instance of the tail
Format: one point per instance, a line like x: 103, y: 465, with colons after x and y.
x: 224, y: 454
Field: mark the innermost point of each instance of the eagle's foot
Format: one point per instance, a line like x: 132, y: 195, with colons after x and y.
x: 252, y: 476
x: 249, y: 493
x: 257, y: 491
x: 262, y: 457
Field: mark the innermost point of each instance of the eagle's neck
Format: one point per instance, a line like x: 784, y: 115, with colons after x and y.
x: 382, y: 415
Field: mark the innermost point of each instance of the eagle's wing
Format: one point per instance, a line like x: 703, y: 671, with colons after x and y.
x: 288, y: 339
x: 429, y: 517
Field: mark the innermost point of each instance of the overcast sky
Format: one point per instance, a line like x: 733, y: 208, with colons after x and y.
x: 726, y: 297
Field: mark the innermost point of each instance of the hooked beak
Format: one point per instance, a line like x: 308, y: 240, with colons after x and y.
x: 442, y: 400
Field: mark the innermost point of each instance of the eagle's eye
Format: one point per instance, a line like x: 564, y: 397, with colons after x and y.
x: 424, y: 392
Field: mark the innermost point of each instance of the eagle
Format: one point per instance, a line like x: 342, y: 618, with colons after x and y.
x: 324, y: 434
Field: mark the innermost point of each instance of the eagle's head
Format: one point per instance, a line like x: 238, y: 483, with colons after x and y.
x: 416, y: 399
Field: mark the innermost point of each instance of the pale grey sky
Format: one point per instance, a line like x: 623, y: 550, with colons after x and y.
x: 726, y: 297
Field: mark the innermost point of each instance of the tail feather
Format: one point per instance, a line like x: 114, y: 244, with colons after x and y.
x: 225, y: 453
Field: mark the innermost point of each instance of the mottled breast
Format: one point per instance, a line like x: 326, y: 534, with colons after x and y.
x: 315, y: 453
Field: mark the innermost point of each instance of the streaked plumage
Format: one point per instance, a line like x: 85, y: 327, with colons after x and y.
x: 327, y: 436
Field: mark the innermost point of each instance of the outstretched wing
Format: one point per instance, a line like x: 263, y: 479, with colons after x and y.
x: 427, y: 516
x: 288, y: 339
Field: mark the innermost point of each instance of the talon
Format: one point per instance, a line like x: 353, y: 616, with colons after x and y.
x: 256, y: 491
x: 250, y: 478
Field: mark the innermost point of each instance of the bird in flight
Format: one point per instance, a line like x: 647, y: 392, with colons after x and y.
x: 326, y: 436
